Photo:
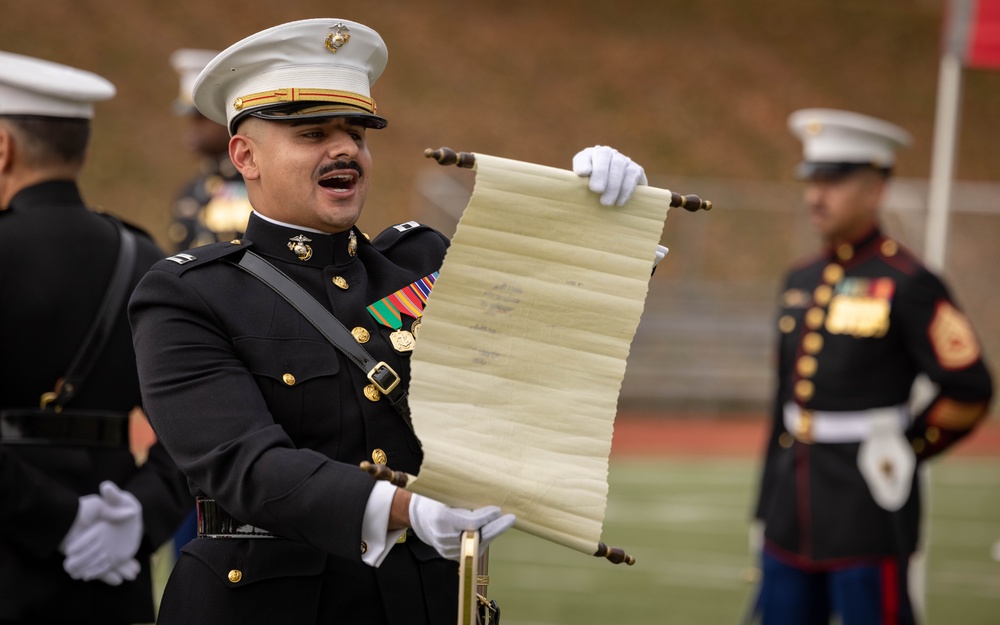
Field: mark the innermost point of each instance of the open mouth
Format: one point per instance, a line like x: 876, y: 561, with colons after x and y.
x: 339, y: 182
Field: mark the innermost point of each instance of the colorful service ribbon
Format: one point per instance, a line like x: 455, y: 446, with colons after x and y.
x: 408, y: 301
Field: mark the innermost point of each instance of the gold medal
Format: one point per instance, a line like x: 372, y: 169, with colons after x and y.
x: 402, y: 341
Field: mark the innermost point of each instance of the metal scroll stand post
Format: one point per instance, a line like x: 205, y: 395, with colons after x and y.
x: 473, y: 569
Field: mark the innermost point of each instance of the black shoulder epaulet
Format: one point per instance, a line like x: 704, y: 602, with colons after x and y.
x: 394, y: 234
x: 189, y: 259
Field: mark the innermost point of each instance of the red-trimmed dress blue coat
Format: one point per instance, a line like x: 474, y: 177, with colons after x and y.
x: 857, y: 325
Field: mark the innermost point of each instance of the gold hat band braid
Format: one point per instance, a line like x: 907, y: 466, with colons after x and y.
x: 292, y: 94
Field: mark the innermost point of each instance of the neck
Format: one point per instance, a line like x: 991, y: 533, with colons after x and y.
x: 22, y: 179
x: 851, y: 236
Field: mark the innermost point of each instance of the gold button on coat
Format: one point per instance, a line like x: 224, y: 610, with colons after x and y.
x: 288, y: 379
x: 845, y: 252
x: 235, y: 575
x: 814, y: 318
x: 804, y: 390
x: 372, y: 393
x: 889, y: 247
x: 340, y: 282
x: 786, y: 324
x: 364, y: 547
x: 360, y: 334
x: 806, y: 366
x: 379, y: 457
x: 833, y: 273
x: 812, y: 343
x: 932, y: 435
x: 786, y: 440
x: 822, y: 294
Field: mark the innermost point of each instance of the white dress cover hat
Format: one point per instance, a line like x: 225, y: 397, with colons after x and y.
x: 310, y: 68
x: 30, y: 86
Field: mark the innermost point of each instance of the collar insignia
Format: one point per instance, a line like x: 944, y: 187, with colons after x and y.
x: 352, y: 243
x: 298, y: 245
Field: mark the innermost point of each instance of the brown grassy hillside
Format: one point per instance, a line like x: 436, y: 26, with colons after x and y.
x: 694, y: 88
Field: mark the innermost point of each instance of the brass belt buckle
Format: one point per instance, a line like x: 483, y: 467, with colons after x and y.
x: 803, y: 426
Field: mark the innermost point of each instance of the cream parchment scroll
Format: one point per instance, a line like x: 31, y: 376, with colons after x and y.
x: 522, y: 348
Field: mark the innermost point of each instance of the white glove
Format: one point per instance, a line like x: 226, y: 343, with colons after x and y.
x: 105, y: 550
x: 441, y: 527
x: 88, y: 513
x: 612, y: 174
x: 661, y: 253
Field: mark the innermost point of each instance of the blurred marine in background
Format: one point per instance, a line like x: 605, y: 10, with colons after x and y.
x: 213, y: 206
x: 78, y: 519
x: 839, y: 497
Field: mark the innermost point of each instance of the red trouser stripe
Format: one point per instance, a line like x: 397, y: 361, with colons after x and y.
x: 890, y: 592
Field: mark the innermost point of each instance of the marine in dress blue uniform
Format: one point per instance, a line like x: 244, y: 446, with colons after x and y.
x: 839, y: 497
x: 56, y: 260
x: 213, y: 205
x: 265, y: 416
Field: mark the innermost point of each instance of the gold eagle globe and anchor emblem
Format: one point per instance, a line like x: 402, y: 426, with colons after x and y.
x: 352, y: 244
x: 338, y: 38
x: 299, y: 246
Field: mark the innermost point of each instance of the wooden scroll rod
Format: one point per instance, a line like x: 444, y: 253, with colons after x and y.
x: 447, y: 156
x: 614, y: 555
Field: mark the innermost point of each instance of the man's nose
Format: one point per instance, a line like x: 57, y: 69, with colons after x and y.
x: 342, y: 146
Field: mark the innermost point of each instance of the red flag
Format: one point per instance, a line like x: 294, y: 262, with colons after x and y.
x: 972, y: 32
x: 984, y: 36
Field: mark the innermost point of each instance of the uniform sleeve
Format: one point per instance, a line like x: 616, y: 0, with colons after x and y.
x: 163, y: 491
x: 944, y: 345
x: 209, y: 414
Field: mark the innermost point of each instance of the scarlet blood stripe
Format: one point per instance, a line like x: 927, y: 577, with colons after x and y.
x: 890, y: 592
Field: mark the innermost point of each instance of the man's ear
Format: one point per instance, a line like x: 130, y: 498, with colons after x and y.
x: 241, y: 152
x: 6, y: 149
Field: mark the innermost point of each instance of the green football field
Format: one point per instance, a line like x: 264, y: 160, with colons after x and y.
x: 686, y: 521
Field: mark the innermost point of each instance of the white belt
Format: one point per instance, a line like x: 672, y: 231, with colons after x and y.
x: 849, y: 426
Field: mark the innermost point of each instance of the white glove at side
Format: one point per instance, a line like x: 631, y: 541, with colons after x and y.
x: 105, y: 549
x: 441, y: 527
x: 88, y: 513
x: 612, y: 174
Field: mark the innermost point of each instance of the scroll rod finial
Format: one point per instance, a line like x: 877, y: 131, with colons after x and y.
x: 615, y: 555
x: 384, y: 473
x: 447, y: 156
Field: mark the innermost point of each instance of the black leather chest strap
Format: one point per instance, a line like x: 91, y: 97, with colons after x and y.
x: 378, y: 372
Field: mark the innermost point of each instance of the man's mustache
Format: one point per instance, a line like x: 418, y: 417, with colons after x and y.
x: 336, y: 165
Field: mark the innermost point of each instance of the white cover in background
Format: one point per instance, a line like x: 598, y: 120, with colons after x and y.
x: 521, y: 352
